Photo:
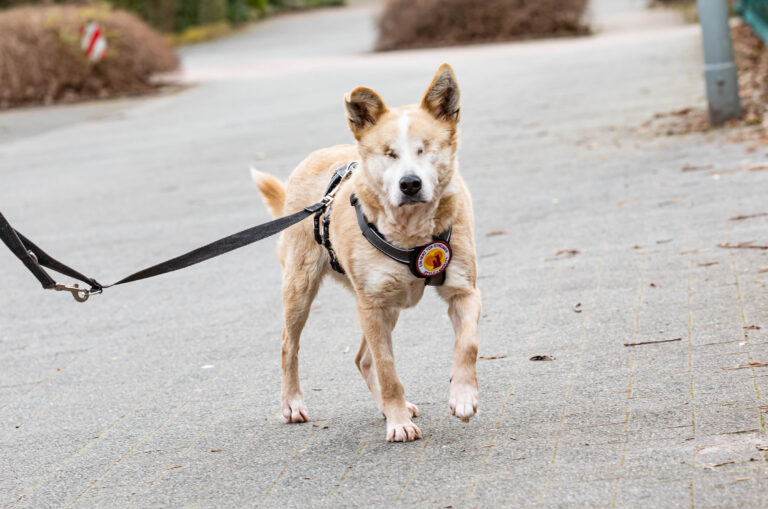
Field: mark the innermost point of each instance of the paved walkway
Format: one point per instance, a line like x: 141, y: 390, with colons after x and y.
x: 166, y: 392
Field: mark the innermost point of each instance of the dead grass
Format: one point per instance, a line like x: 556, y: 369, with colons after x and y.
x: 41, y: 60
x: 424, y: 23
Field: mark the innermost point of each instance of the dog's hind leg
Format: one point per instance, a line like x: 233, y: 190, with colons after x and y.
x: 364, y: 362
x: 301, y: 281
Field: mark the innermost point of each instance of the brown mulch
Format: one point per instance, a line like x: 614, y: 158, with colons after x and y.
x: 429, y: 23
x: 41, y: 60
x: 751, y: 57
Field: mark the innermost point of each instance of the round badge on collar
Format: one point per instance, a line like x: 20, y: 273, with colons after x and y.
x: 433, y: 258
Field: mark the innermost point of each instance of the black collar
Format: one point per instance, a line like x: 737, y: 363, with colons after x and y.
x: 418, y: 258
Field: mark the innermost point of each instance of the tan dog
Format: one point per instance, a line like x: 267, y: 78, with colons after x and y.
x: 409, y: 187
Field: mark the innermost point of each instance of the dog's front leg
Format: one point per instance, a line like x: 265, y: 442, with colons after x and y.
x: 464, y: 310
x: 377, y: 323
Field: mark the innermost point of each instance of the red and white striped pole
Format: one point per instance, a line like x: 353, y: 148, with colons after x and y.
x: 93, y: 42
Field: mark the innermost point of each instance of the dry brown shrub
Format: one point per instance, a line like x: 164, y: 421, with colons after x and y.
x: 421, y: 23
x: 752, y: 59
x: 41, y: 60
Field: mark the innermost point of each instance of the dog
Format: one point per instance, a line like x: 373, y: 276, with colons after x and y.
x: 407, y: 184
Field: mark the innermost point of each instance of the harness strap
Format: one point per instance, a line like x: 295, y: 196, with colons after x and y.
x: 322, y: 226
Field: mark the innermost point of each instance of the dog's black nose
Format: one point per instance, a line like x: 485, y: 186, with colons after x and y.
x: 410, y: 185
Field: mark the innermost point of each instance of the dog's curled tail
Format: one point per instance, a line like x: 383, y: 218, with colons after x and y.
x: 272, y: 191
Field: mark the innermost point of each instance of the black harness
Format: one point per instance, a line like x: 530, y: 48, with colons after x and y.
x: 427, y: 262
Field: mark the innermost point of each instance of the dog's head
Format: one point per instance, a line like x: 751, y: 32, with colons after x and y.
x: 408, y: 153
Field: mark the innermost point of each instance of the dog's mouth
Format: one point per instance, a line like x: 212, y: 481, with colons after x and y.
x: 411, y: 200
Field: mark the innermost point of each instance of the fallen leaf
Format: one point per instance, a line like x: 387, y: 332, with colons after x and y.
x: 752, y: 327
x: 653, y: 285
x: 325, y: 427
x: 577, y: 307
x: 692, y: 251
x: 762, y: 447
x: 653, y: 342
x: 542, y: 358
x: 637, y: 246
x: 496, y: 232
x: 721, y: 464
x: 173, y: 468
x: 316, y: 389
x: 218, y: 450
x: 748, y: 216
x: 490, y: 357
x: 567, y: 253
x: 707, y: 264
x: 512, y: 438
x: 307, y: 478
x: 664, y: 241
x: 315, y: 425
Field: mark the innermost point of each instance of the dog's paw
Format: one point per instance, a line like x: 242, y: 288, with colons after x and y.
x: 463, y: 401
x: 404, y: 432
x: 294, y: 410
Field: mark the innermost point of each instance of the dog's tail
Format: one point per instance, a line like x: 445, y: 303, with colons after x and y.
x: 272, y: 191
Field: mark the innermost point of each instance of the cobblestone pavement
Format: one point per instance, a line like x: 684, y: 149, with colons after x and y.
x: 166, y: 392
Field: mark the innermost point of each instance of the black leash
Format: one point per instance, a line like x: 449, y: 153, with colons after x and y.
x: 35, y: 258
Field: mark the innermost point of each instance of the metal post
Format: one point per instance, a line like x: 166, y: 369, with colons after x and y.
x: 719, y: 69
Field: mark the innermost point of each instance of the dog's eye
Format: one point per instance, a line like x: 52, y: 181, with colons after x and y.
x: 391, y: 154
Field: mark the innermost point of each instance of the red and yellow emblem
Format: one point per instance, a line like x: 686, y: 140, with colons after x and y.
x: 433, y: 258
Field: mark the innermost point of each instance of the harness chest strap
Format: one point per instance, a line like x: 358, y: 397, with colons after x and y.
x: 428, y: 262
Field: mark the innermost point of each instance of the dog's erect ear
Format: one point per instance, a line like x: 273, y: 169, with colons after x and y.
x: 442, y: 98
x: 364, y: 107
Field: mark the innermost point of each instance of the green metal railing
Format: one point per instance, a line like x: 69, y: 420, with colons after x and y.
x: 755, y: 13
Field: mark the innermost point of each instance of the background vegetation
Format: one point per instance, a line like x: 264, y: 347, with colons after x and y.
x: 180, y: 15
x: 41, y: 60
x: 418, y: 23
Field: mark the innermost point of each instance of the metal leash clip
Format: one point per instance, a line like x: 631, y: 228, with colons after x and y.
x: 80, y: 294
x: 336, y: 184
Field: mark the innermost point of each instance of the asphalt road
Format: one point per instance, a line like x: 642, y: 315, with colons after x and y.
x: 166, y: 392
